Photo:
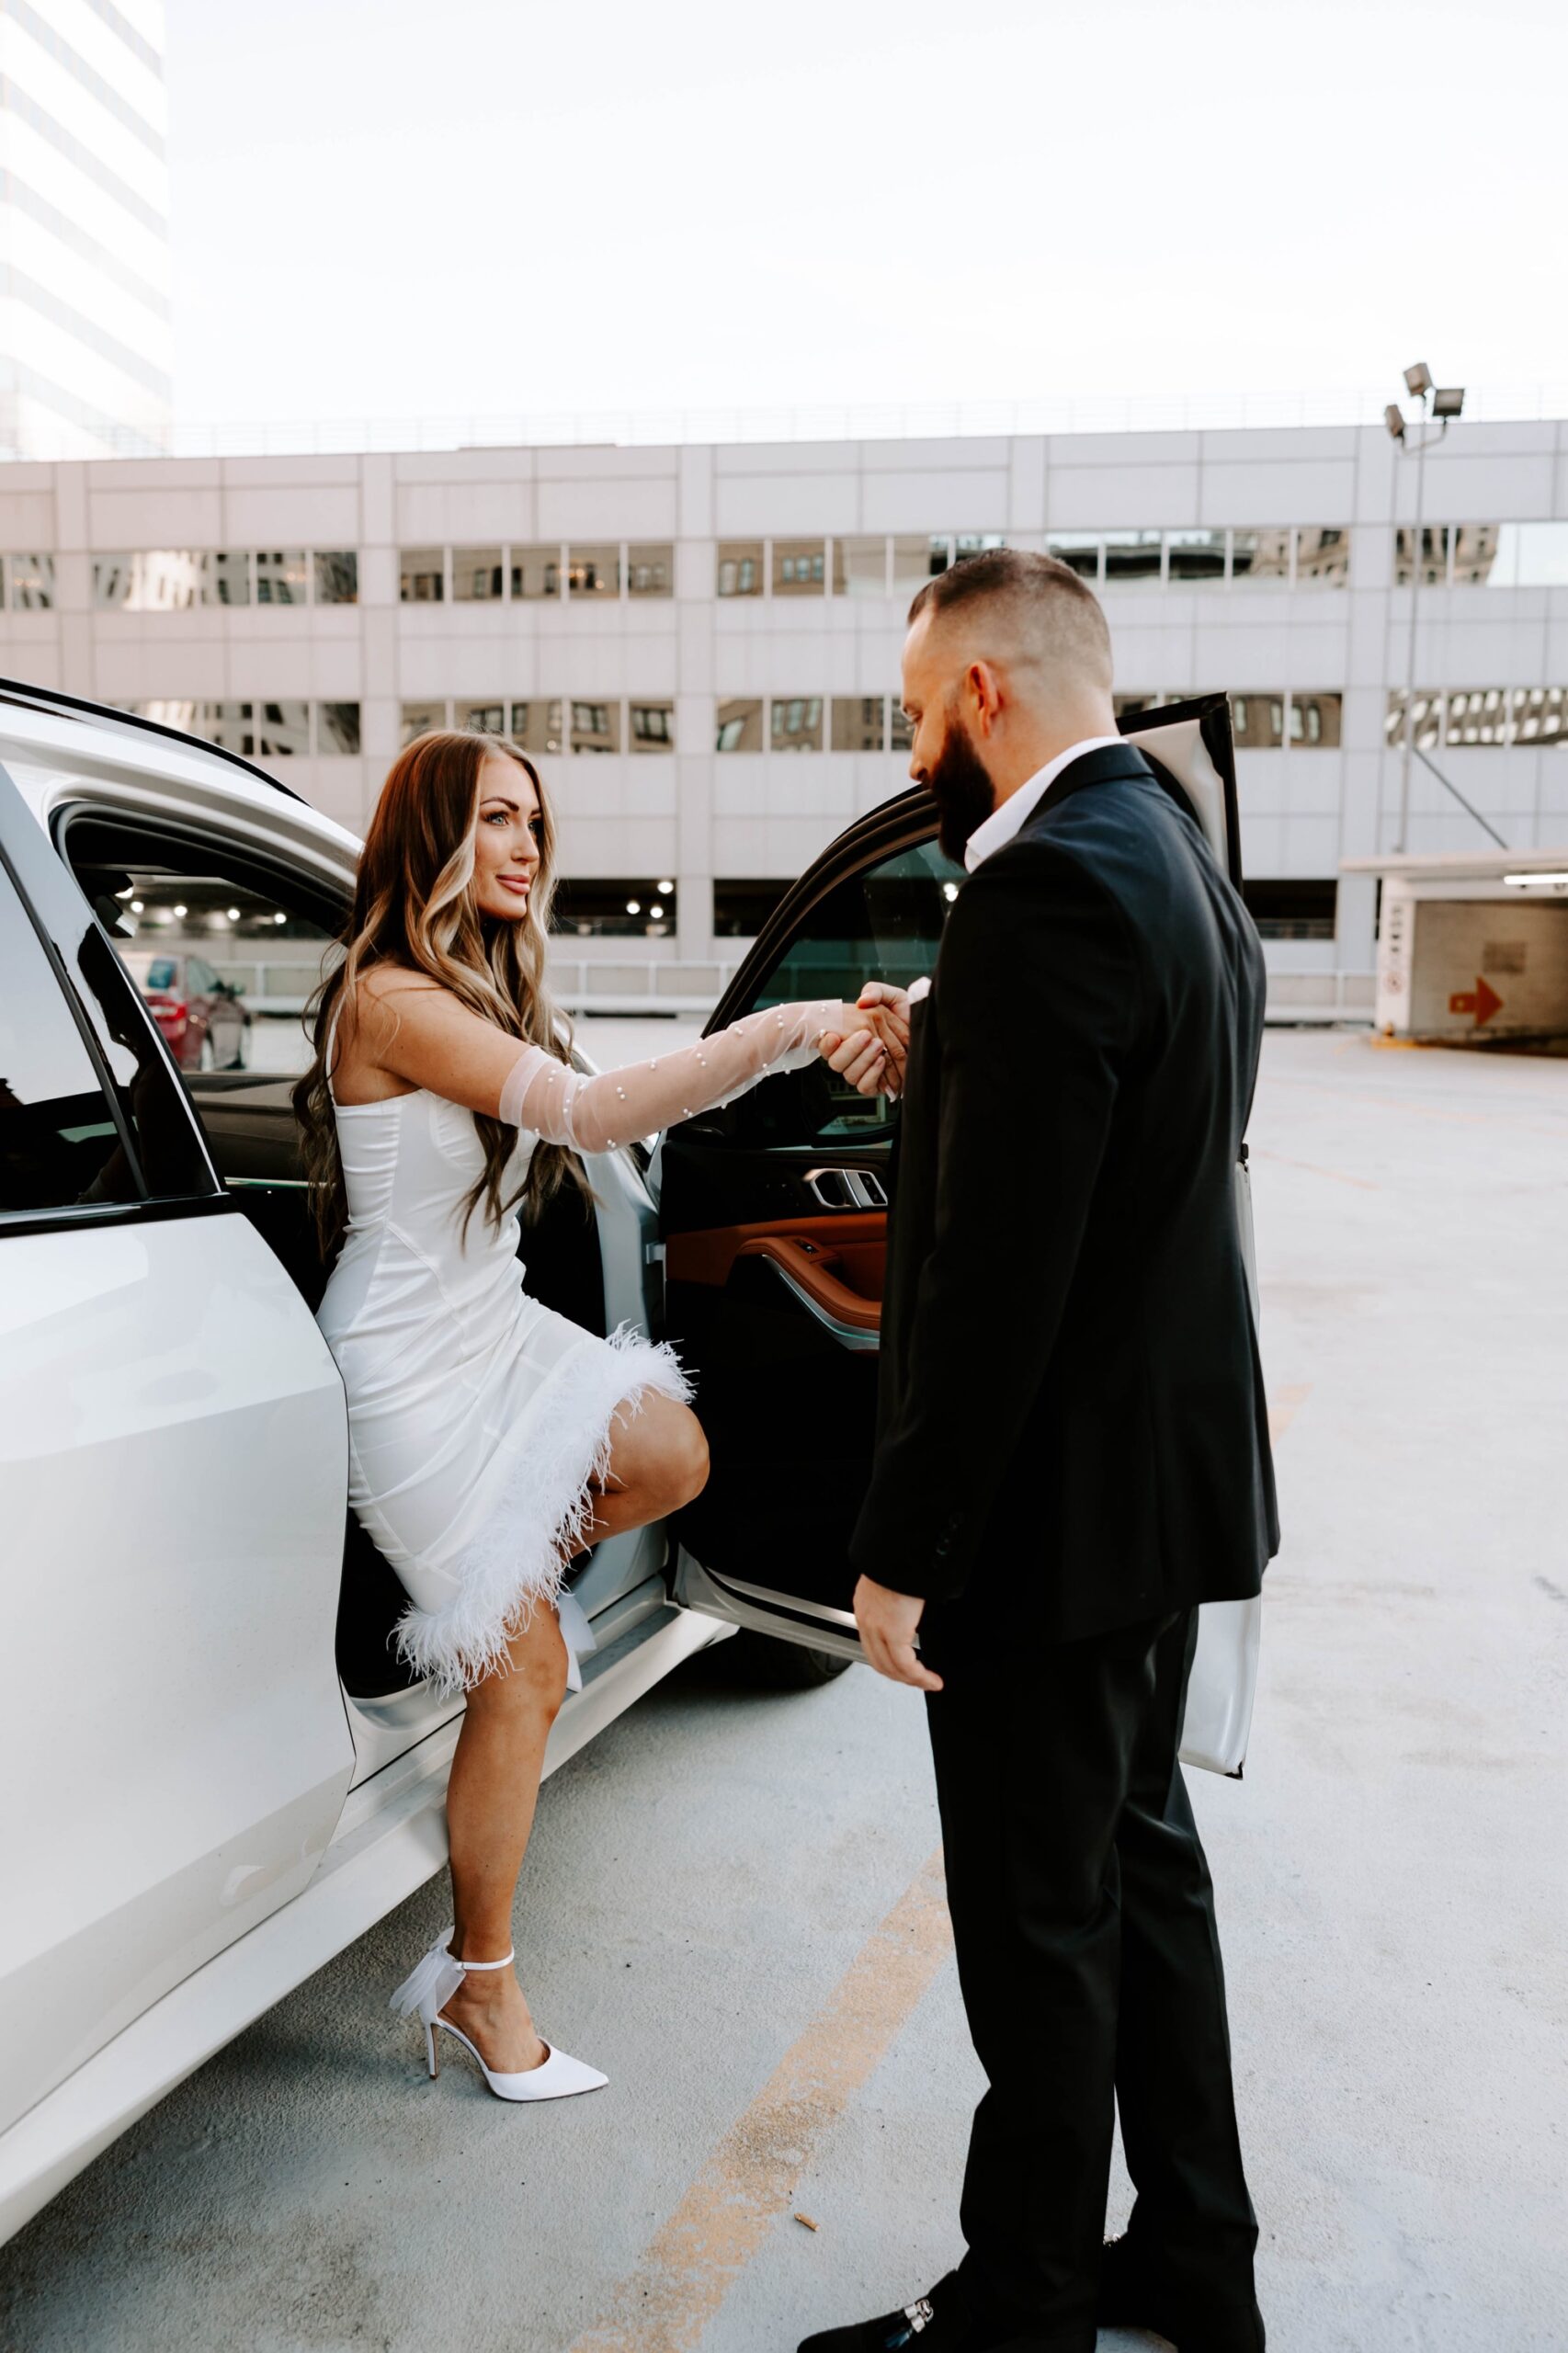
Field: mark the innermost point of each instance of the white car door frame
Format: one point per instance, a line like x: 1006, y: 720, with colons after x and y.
x: 172, y: 1476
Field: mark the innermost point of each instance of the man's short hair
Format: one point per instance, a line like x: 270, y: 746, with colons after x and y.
x: 1040, y: 601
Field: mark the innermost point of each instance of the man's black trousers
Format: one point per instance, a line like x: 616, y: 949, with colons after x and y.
x: 1083, y: 1918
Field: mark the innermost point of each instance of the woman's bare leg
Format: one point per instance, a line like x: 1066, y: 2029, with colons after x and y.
x: 658, y: 1462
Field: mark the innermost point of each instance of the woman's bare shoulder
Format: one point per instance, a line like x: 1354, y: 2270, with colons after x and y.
x: 387, y: 991
x: 381, y: 981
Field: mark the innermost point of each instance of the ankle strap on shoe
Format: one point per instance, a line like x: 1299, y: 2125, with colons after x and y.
x: 504, y: 1963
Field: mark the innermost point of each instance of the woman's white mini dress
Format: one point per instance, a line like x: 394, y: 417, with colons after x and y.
x: 479, y: 1418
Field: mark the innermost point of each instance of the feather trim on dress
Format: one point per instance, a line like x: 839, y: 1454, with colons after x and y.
x: 519, y: 1558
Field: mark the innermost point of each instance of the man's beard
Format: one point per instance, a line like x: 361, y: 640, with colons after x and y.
x: 960, y: 785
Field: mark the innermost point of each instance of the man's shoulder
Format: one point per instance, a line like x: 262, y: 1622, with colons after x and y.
x: 1088, y: 839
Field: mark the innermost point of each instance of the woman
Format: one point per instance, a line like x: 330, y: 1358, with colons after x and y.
x: 491, y: 1440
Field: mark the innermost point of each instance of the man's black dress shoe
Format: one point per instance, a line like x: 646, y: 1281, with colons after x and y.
x: 1136, y: 2294
x: 934, y: 2324
x: 939, y: 2323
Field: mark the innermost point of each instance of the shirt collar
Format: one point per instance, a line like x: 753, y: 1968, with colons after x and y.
x: 1005, y: 821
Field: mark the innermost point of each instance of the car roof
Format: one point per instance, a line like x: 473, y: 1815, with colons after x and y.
x: 57, y: 748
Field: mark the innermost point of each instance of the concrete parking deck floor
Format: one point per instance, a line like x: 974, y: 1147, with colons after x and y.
x: 729, y: 1902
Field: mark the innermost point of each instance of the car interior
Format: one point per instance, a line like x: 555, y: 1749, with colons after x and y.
x: 252, y: 1134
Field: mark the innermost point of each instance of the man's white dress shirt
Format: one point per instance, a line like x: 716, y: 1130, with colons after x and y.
x: 1005, y: 821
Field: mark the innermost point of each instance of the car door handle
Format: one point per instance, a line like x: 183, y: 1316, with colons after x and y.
x: 854, y: 1322
x: 846, y: 1188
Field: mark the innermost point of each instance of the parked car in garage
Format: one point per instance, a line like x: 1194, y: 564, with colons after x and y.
x: 217, y: 1773
x: 204, y: 1025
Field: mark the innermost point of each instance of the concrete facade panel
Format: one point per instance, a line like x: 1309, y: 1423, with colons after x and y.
x: 1119, y: 498
x: 637, y: 509
x: 155, y: 517
x: 1320, y: 490
x: 785, y: 506
x: 26, y: 518
x: 293, y: 516
x: 954, y: 500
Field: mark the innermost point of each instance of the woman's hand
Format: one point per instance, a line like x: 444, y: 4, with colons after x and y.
x: 872, y: 1057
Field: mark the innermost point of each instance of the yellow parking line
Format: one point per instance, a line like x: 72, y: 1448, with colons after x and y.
x: 692, y: 2263
x: 1284, y: 1406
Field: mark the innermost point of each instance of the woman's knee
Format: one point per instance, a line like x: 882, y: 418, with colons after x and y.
x: 685, y: 1461
x: 532, y: 1679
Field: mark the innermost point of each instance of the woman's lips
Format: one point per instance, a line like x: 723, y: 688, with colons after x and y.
x: 517, y: 882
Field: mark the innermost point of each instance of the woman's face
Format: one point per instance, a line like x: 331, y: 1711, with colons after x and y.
x: 506, y: 845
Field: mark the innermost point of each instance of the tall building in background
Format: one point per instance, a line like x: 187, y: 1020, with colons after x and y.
x: 84, y: 333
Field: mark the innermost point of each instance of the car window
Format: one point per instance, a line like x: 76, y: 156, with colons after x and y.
x: 61, y: 1145
x: 181, y: 909
x: 150, y: 971
x: 884, y: 924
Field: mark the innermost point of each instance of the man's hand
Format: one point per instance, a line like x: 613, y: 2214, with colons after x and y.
x: 872, y: 1058
x: 888, y: 1621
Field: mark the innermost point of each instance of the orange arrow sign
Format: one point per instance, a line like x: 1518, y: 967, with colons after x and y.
x: 1482, y: 1000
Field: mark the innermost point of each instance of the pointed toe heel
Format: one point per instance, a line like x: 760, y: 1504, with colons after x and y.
x: 433, y: 1984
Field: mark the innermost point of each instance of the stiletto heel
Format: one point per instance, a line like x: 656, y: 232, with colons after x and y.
x: 435, y: 1982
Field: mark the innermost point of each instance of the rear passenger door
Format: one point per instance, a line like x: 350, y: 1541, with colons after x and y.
x: 172, y: 1467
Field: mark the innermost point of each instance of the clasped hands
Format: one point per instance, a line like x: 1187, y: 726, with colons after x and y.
x: 872, y: 1058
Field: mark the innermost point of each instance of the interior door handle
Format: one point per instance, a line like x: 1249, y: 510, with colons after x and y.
x: 847, y: 1189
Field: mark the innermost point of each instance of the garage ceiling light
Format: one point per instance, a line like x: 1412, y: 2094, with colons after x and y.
x: 1536, y: 881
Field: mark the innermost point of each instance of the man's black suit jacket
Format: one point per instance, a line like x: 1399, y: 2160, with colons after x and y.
x: 1071, y: 1407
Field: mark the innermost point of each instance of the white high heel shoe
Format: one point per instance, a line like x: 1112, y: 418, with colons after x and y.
x: 435, y: 1982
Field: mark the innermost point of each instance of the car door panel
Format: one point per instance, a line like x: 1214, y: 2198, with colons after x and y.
x: 775, y: 1291
x: 774, y: 1219
x: 174, y: 1747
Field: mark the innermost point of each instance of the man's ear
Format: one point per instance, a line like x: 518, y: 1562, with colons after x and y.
x: 984, y: 692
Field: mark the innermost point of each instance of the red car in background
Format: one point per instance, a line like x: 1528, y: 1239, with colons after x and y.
x: 203, y: 1023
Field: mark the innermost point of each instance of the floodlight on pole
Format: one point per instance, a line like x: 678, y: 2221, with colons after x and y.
x: 1441, y: 407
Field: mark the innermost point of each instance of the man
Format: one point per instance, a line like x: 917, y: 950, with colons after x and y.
x: 1073, y: 1455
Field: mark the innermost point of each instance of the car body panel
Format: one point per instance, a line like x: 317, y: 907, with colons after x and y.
x: 176, y: 1720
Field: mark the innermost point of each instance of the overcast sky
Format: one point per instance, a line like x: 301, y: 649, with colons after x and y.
x: 402, y: 208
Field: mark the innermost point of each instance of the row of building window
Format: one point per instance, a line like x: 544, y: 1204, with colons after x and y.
x: 517, y: 575
x: 1456, y: 716
x: 167, y: 580
x: 1485, y: 555
x: 264, y: 731
x: 550, y: 725
x: 553, y: 725
x: 176, y: 580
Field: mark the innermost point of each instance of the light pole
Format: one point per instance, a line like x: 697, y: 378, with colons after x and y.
x: 1441, y: 406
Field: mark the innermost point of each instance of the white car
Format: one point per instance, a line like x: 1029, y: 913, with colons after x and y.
x: 216, y: 1774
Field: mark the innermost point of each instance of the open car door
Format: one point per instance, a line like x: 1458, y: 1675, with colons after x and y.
x: 774, y: 1213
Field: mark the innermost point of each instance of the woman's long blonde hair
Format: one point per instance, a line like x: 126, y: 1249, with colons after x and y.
x: 413, y: 906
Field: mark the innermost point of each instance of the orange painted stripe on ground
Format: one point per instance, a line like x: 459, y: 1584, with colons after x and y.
x: 746, y: 2186
x: 1284, y: 1406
